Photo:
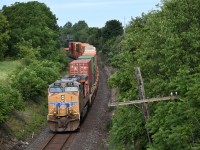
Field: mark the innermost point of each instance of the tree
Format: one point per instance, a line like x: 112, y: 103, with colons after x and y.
x: 110, y: 32
x: 81, y: 35
x: 81, y: 25
x: 32, y: 21
x: 67, y: 29
x: 68, y: 25
x: 80, y: 31
x: 4, y: 35
x: 112, y: 28
x: 94, y: 36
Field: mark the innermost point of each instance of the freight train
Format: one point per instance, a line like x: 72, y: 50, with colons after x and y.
x: 70, y: 97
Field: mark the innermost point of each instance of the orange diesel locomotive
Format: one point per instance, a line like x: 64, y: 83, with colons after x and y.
x: 70, y: 97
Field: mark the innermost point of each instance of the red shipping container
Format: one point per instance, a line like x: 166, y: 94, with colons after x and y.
x: 81, y: 67
x: 75, y: 49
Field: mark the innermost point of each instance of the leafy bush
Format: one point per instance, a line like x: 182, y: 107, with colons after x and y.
x: 4, y: 35
x: 128, y: 129
x: 10, y: 100
x: 33, y: 80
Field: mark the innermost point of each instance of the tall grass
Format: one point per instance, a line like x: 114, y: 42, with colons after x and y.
x: 7, y: 67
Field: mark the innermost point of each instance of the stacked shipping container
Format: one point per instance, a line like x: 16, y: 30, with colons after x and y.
x: 76, y: 49
x: 82, y: 67
x: 86, y: 63
x: 91, y: 58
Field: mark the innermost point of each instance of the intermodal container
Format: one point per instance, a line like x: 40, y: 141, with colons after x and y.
x: 71, y: 47
x: 80, y: 49
x: 92, y: 61
x: 81, y: 67
x: 89, y: 52
x: 76, y: 49
x: 83, y: 45
x: 90, y: 48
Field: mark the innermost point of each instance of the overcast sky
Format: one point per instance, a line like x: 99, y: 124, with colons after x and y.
x: 94, y: 12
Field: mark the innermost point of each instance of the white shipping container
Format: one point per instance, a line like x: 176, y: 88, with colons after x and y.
x: 90, y: 48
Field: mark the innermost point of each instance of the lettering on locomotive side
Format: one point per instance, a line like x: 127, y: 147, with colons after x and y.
x: 63, y: 104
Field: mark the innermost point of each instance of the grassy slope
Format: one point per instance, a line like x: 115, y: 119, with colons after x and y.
x: 25, y: 123
x: 7, y: 67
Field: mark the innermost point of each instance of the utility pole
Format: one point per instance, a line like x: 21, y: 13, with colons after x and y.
x: 144, y: 106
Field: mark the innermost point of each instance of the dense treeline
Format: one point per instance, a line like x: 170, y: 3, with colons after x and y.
x: 93, y: 35
x: 29, y: 32
x: 79, y: 32
x: 165, y: 44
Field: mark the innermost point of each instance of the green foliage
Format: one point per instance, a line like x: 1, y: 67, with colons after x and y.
x: 10, y: 100
x: 128, y: 129
x: 81, y: 35
x: 165, y: 45
x: 112, y: 29
x: 67, y: 28
x: 80, y: 32
x: 94, y: 36
x: 4, y: 35
x: 36, y: 123
x: 111, y: 48
x: 7, y: 67
x: 111, y: 36
x: 33, y: 80
x: 33, y: 21
x: 81, y: 25
x: 28, y: 123
x: 26, y: 52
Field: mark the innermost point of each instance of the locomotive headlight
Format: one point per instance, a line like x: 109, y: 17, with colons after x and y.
x: 63, y: 97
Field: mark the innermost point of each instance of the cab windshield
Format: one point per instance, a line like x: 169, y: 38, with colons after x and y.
x: 55, y: 90
x: 71, y: 89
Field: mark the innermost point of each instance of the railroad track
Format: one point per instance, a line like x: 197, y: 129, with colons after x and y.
x: 55, y: 142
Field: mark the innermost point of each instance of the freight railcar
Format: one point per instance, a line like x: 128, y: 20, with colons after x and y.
x: 76, y: 49
x: 70, y: 97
